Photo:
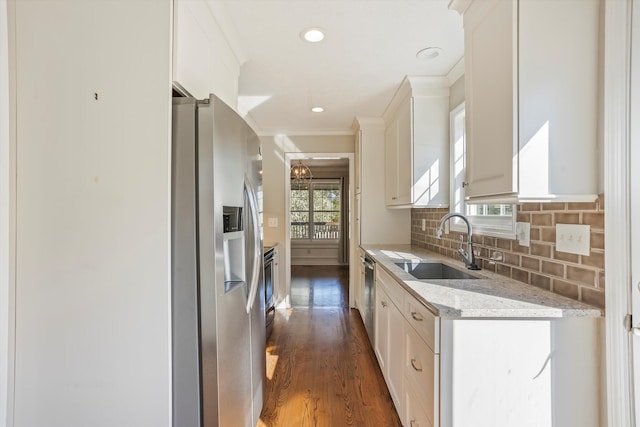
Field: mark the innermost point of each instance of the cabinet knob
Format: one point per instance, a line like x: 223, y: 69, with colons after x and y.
x: 383, y: 303
x: 416, y: 367
x: 465, y: 184
x: 417, y: 316
x: 393, y: 198
x: 414, y: 423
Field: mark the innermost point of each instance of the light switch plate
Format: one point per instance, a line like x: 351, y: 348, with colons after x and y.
x: 573, y: 238
x: 273, y: 222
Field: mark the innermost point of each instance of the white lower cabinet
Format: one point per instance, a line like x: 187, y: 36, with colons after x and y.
x: 396, y: 356
x: 389, y: 341
x: 421, y: 372
x: 415, y: 413
x: 486, y: 372
x: 381, y: 327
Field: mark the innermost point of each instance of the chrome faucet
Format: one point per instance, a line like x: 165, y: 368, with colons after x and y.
x: 467, y: 256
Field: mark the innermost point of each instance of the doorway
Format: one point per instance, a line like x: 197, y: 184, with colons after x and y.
x: 319, y: 217
x: 318, y: 214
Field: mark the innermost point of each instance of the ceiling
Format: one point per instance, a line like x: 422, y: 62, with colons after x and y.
x: 370, y: 45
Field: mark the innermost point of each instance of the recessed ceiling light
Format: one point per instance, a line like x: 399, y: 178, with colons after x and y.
x: 317, y: 109
x: 312, y: 35
x: 429, y: 53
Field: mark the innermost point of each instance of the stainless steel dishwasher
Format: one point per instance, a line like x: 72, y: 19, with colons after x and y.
x: 369, y: 294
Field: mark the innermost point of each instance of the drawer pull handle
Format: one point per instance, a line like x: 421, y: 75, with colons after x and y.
x: 415, y: 365
x: 414, y: 423
x: 383, y: 303
x: 417, y: 316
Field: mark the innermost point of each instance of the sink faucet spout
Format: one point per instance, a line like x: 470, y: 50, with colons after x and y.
x: 467, y: 255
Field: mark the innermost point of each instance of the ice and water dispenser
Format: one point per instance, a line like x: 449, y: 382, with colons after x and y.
x: 234, y: 254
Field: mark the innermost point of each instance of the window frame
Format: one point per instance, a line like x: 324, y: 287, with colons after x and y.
x: 311, y: 211
x: 502, y: 226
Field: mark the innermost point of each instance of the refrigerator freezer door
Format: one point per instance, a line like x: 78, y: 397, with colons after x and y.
x: 223, y: 134
x: 218, y: 347
x: 256, y: 252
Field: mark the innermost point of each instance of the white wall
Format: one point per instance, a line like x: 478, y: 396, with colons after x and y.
x: 204, y: 61
x: 93, y: 197
x: 274, y: 149
x: 6, y: 282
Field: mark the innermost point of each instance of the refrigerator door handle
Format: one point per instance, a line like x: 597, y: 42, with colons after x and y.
x: 257, y: 252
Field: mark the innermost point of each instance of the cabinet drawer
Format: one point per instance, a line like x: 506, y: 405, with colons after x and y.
x: 425, y: 323
x: 415, y: 413
x: 422, y: 372
x: 394, y: 289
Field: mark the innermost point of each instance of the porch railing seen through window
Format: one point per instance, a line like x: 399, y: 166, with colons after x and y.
x: 315, y: 210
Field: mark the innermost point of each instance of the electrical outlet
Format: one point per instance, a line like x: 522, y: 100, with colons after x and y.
x: 573, y: 238
x: 273, y: 222
x: 496, y: 256
x: 424, y: 224
x: 523, y: 233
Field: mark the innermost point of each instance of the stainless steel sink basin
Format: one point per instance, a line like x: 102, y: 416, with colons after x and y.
x: 433, y: 270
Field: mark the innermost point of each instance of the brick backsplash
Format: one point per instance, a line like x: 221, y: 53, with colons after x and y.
x: 578, y: 277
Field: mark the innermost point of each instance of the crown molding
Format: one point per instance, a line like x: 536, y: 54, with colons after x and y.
x: 416, y: 86
x: 456, y: 72
x: 361, y: 122
x: 460, y: 6
x: 306, y: 132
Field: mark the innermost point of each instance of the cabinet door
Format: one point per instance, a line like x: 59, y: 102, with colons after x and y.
x: 391, y: 164
x: 430, y: 156
x: 395, y: 360
x: 415, y: 414
x: 381, y: 316
x: 404, y: 163
x: 422, y: 373
x: 492, y: 108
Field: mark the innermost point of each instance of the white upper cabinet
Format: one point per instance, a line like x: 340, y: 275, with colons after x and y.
x: 417, y: 144
x: 531, y: 82
x: 376, y: 224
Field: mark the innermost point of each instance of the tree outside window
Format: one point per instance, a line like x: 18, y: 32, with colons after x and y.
x: 315, y: 210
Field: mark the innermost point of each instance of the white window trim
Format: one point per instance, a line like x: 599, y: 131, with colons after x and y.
x: 311, y: 211
x: 496, y: 226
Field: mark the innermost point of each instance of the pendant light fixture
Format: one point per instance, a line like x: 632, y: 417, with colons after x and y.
x: 300, y: 174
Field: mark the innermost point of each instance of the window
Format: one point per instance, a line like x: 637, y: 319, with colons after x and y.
x: 490, y: 219
x: 315, y: 210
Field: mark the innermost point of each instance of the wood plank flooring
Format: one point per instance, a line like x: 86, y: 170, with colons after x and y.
x: 321, y: 368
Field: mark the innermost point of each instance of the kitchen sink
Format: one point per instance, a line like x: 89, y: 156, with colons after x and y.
x: 433, y: 270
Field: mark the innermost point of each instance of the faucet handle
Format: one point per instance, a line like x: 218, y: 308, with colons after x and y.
x: 439, y: 232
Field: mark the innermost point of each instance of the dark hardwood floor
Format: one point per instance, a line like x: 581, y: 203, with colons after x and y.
x: 321, y: 368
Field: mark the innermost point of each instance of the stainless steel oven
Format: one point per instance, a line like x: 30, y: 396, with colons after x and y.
x: 269, y: 270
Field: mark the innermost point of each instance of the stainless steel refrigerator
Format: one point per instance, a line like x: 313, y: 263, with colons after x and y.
x: 218, y: 317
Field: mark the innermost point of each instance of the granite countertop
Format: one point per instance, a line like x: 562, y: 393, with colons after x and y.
x: 489, y: 296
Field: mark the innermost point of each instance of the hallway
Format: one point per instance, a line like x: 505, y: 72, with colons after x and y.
x: 321, y: 369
